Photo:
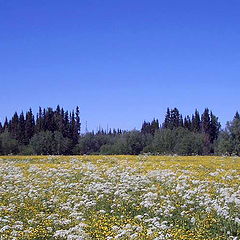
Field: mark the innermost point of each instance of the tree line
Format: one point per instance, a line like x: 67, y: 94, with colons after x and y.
x: 58, y: 132
x: 50, y: 132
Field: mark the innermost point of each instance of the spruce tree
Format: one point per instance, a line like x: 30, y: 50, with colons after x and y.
x: 15, y: 126
x: 187, y: 123
x: 205, y: 122
x: 214, y: 127
x: 206, y: 129
x: 196, y: 122
x: 21, y: 122
x: 154, y: 126
x: 174, y: 118
x: 5, y: 125
x: 39, y: 121
x: 78, y: 123
x: 167, y: 119
x: 29, y: 126
x: 237, y: 116
x: 181, y: 121
x: 66, y: 125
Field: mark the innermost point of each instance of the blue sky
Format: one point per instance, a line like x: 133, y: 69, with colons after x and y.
x: 121, y: 61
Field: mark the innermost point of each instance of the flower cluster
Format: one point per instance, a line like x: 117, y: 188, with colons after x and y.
x: 119, y: 197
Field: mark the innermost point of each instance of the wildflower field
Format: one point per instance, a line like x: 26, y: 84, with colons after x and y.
x: 119, y: 197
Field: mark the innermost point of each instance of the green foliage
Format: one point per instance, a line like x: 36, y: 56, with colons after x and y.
x: 91, y: 143
x: 163, y: 142
x: 58, y: 132
x: 26, y: 150
x: 224, y: 145
x: 180, y: 141
x: 229, y: 139
x: 50, y: 143
x: 8, y: 145
x: 189, y: 143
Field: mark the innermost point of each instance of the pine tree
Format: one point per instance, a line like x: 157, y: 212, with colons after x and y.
x: 146, y: 127
x: 58, y: 121
x: 78, y: 123
x: 206, y: 129
x: 15, y: 126
x: 154, y: 126
x: 196, y: 122
x: 5, y: 125
x: 74, y: 128
x: 21, y: 122
x: 237, y: 116
x: 29, y: 126
x: 206, y: 122
x: 62, y: 122
x: 187, y: 123
x: 167, y: 120
x: 66, y: 125
x: 181, y: 121
x: 39, y: 121
x: 175, y: 118
x: 49, y: 121
x: 214, y: 127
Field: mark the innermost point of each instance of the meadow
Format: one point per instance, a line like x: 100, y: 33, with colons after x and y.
x: 119, y: 197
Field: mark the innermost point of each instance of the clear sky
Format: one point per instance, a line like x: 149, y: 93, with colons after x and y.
x: 121, y: 61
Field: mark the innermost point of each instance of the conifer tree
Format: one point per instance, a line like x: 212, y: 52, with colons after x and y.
x: 214, y: 127
x: 167, y: 120
x: 78, y: 123
x: 187, y: 123
x: 146, y: 127
x: 205, y: 122
x: 237, y: 116
x: 29, y: 126
x: 21, y: 123
x: 154, y: 126
x: 15, y: 126
x: 175, y: 118
x: 5, y: 125
x: 76, y: 126
x: 66, y: 125
x: 39, y: 121
x: 49, y: 121
x: 196, y: 122
x: 181, y: 121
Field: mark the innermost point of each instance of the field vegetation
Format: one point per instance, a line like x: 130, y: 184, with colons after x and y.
x: 119, y: 197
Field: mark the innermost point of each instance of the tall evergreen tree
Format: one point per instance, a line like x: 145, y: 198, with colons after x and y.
x: 29, y: 126
x: 154, y: 126
x: 206, y: 130
x: 237, y: 116
x: 214, y: 127
x: 181, y: 121
x: 175, y: 118
x: 187, y: 123
x: 21, y: 122
x: 167, y: 120
x: 76, y: 125
x: 206, y: 122
x: 50, y: 123
x: 146, y: 127
x: 66, y: 125
x: 15, y: 126
x: 39, y: 121
x: 5, y: 125
x: 196, y: 122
